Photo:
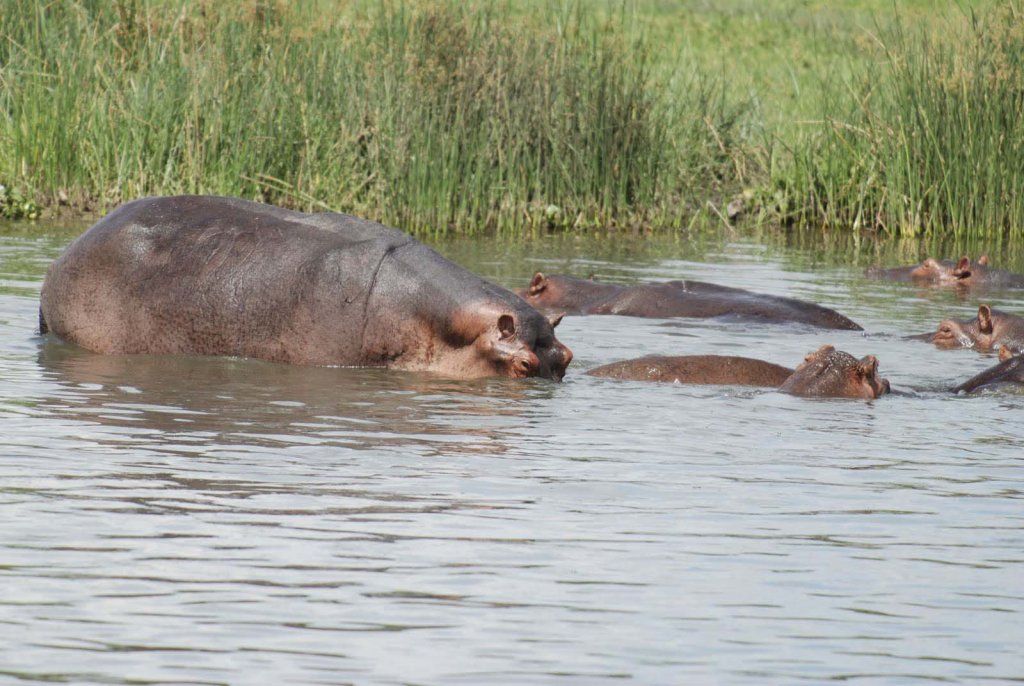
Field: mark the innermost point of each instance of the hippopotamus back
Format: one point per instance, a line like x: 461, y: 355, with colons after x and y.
x: 825, y: 373
x: 696, y: 299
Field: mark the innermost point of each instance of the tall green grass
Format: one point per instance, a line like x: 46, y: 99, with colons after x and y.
x: 928, y: 138
x: 432, y: 116
x: 440, y: 115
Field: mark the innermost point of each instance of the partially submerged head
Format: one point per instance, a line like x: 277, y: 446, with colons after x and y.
x: 971, y: 333
x: 831, y: 373
x: 962, y: 272
x: 512, y: 342
x: 568, y: 293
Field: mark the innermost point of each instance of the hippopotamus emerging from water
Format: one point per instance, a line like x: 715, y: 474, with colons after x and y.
x: 987, y: 331
x: 963, y: 273
x: 220, y: 276
x: 1010, y: 370
x: 673, y: 299
x: 825, y: 373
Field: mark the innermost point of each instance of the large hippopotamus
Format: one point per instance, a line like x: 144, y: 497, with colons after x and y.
x: 962, y: 273
x: 1010, y: 370
x: 570, y: 295
x: 989, y: 330
x: 222, y: 276
x: 825, y: 373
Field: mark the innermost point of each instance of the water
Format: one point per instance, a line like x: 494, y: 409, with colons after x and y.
x: 215, y: 521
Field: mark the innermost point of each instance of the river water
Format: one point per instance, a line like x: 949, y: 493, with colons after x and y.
x: 227, y: 521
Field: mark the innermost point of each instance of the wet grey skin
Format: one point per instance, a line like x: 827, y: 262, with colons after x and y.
x: 825, y: 373
x: 222, y: 276
x: 694, y: 299
x: 1009, y: 371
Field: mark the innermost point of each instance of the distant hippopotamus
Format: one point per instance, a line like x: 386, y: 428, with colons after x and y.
x: 825, y: 373
x: 674, y: 299
x: 963, y: 273
x: 989, y: 330
x: 1010, y: 370
x: 222, y: 276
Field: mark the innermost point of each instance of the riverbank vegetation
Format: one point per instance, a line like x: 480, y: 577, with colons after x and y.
x: 440, y: 116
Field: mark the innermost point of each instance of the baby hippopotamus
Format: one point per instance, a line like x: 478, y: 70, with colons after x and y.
x: 698, y: 299
x: 222, y: 276
x: 989, y: 330
x: 825, y: 373
x: 963, y: 273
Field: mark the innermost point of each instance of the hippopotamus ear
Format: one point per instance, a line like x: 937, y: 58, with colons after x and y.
x: 983, y: 260
x: 555, y: 319
x: 506, y: 326
x: 538, y: 283
x: 868, y: 366
x: 985, y: 319
x: 1005, y: 353
x: 963, y: 268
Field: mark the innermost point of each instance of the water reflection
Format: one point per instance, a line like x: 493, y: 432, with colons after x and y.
x: 183, y: 398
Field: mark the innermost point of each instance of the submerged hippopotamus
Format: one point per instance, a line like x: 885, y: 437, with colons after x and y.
x: 221, y: 276
x: 962, y: 272
x: 674, y: 299
x: 1010, y: 370
x: 989, y: 330
x: 825, y: 373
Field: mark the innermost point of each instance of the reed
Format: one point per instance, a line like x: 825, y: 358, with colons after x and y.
x: 433, y: 116
x: 928, y: 139
x: 441, y: 116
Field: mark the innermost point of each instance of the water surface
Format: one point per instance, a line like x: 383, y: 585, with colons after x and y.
x: 226, y: 521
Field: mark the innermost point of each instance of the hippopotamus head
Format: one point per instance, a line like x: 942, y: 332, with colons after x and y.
x: 515, y: 343
x: 986, y: 331
x: 961, y: 272
x: 968, y: 333
x: 565, y: 293
x: 831, y: 373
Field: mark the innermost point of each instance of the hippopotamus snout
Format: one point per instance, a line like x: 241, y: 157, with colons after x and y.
x: 952, y: 334
x: 554, y: 360
x: 525, y: 345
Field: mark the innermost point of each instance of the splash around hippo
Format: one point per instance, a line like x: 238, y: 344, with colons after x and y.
x: 222, y: 276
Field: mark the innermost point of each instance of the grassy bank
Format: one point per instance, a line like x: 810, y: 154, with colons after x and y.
x: 427, y: 116
x: 444, y: 116
x: 927, y: 137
